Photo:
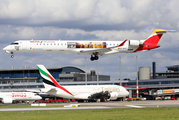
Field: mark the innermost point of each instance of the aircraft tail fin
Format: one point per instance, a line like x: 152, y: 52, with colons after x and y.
x: 152, y: 41
x: 48, y: 80
x: 155, y: 37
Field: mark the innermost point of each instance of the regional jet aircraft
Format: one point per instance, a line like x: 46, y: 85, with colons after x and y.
x: 84, y: 92
x: 93, y: 48
x: 9, y: 97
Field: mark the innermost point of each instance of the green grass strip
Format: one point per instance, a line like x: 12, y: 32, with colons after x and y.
x: 164, y: 113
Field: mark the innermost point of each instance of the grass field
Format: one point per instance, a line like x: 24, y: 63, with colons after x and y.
x: 165, y: 113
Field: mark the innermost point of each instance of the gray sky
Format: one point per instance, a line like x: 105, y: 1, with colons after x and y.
x: 90, y: 20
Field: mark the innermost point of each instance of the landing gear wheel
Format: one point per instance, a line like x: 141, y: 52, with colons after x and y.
x: 12, y: 55
x: 92, y: 58
x: 96, y: 57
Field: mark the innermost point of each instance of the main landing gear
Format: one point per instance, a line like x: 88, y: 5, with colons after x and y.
x: 95, y: 57
x: 12, y: 55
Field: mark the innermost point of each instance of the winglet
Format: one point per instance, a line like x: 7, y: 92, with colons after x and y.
x: 122, y: 43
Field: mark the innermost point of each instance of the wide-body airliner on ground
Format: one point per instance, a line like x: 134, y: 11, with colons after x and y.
x: 93, y: 48
x: 84, y: 92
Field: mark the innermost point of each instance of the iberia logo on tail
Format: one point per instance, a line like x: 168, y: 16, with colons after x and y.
x: 152, y: 41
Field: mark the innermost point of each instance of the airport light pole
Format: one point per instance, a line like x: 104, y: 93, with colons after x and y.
x: 97, y: 72
x: 178, y: 65
x: 120, y: 70
x: 85, y: 71
x: 137, y: 77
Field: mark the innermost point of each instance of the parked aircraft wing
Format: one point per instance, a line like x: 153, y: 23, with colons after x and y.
x: 32, y: 90
x: 49, y: 90
x: 101, y: 51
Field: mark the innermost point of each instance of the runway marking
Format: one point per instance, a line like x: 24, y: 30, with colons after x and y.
x: 134, y: 106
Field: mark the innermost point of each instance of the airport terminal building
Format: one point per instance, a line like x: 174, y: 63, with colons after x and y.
x: 14, y: 79
x: 29, y: 78
x: 159, y: 84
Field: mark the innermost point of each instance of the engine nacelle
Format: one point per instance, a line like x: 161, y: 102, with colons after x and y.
x: 135, y: 43
x: 7, y: 100
x: 113, y: 96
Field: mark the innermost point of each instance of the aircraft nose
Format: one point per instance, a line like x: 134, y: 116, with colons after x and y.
x: 127, y: 93
x: 39, y: 97
x: 5, y: 48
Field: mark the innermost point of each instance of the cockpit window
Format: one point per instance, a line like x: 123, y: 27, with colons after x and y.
x: 14, y: 43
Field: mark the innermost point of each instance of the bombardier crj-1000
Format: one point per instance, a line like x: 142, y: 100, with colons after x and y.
x: 83, y: 92
x: 93, y: 48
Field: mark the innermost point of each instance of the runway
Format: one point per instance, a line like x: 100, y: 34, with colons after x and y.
x: 101, y: 105
x: 53, y: 108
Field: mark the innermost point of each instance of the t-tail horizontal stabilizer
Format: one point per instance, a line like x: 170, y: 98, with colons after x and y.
x: 152, y: 41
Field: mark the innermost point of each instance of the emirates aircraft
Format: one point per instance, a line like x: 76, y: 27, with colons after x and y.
x: 84, y: 92
x: 93, y: 48
x: 9, y: 97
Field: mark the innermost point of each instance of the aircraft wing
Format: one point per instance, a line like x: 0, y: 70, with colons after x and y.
x: 33, y: 90
x: 101, y: 51
x: 53, y: 90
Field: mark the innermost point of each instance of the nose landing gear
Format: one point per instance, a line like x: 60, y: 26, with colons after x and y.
x: 12, y: 55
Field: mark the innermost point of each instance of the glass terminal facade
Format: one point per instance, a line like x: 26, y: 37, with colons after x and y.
x: 31, y: 78
x: 30, y: 75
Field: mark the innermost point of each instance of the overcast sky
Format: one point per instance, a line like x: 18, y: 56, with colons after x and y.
x: 90, y: 20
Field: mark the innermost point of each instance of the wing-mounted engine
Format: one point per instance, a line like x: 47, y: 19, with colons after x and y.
x: 113, y: 96
x: 104, y: 95
x: 7, y: 100
x: 100, y: 95
x: 135, y: 43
